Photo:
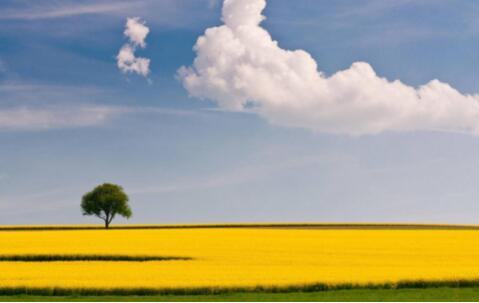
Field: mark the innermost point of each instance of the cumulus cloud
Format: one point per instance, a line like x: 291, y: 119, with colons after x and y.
x: 128, y: 63
x: 136, y: 32
x: 240, y: 67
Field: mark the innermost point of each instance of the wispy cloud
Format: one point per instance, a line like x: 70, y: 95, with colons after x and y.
x: 67, y: 9
x: 397, y: 34
x: 372, y: 8
x: 25, y: 87
x: 3, y: 66
x: 232, y: 177
x: 380, y: 25
x: 42, y: 118
x: 55, y: 116
x: 379, y: 22
x: 50, y: 199
x: 44, y: 17
x: 41, y: 106
x: 213, y: 3
x: 16, y: 93
x: 73, y: 116
x: 346, y: 14
x: 28, y: 106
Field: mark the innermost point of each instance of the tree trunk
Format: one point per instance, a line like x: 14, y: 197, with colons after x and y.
x: 107, y: 220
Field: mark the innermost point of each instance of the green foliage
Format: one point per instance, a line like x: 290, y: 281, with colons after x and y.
x: 106, y: 201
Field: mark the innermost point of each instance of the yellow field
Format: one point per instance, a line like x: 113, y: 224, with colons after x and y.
x: 240, y: 257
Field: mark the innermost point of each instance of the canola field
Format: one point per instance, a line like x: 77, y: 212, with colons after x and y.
x: 241, y: 258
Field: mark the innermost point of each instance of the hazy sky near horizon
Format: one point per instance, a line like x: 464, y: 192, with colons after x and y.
x: 70, y: 118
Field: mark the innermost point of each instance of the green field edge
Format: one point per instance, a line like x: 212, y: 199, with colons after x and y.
x: 443, y: 294
x: 89, y: 257
x: 399, y: 226
x: 314, y: 287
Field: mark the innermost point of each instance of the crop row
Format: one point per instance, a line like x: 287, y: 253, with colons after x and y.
x: 72, y: 258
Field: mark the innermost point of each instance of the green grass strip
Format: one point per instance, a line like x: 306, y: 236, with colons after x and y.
x: 443, y: 294
x: 76, y: 258
x: 316, y: 287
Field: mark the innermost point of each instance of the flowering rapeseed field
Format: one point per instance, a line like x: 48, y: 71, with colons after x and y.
x: 239, y: 257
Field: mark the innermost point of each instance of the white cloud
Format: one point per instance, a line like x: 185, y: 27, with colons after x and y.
x: 48, y: 117
x: 241, y: 68
x: 136, y: 32
x: 127, y: 62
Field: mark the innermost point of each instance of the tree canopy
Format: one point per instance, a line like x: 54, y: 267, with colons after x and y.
x: 106, y: 201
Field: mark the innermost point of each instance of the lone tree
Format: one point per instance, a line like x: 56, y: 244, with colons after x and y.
x: 106, y: 201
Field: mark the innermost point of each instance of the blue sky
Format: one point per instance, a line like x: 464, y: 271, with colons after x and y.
x: 70, y: 119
